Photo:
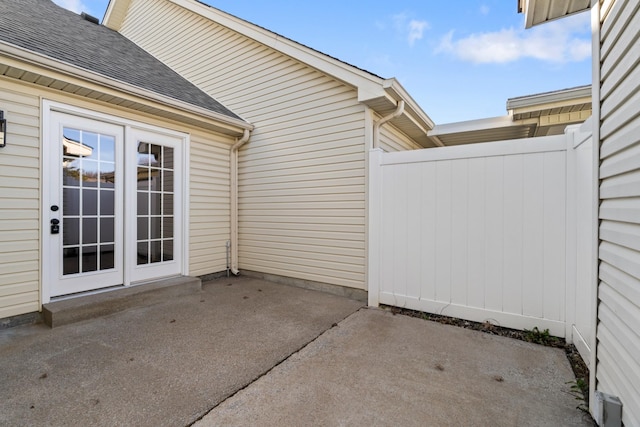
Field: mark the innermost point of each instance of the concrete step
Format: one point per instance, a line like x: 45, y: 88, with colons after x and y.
x: 85, y: 307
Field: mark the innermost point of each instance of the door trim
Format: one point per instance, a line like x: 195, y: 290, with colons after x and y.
x: 48, y: 145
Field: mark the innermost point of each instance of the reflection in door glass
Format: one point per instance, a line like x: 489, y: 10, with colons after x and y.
x: 88, y: 198
x: 155, y: 220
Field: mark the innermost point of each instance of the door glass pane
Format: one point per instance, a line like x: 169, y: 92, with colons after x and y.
x: 107, y: 202
x: 107, y: 149
x: 88, y: 201
x: 168, y: 181
x: 167, y: 227
x: 107, y: 229
x: 90, y: 139
x: 89, y: 259
x: 155, y: 219
x: 155, y: 254
x: 143, y: 228
x: 71, y: 201
x: 89, y: 230
x: 107, y: 174
x: 167, y: 204
x: 143, y: 201
x: 70, y: 172
x: 71, y: 228
x: 106, y: 257
x: 71, y: 260
x: 89, y: 173
x: 143, y: 252
x: 167, y: 159
x: 154, y: 230
x: 167, y: 253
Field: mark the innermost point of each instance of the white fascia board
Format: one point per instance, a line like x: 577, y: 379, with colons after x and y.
x: 395, y: 86
x: 36, y: 59
x: 575, y: 93
x: 115, y: 8
x: 528, y: 10
x: 368, y: 85
x: 472, y: 125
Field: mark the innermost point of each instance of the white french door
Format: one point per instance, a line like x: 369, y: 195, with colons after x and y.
x: 154, y: 205
x: 113, y: 205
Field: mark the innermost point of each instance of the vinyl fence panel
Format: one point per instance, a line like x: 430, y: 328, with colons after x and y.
x: 477, y: 232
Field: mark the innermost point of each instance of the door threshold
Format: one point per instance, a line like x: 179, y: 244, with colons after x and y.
x: 78, y: 307
x: 86, y: 293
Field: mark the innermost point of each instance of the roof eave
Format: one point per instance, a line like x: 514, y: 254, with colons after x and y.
x: 115, y: 14
x: 538, y: 12
x: 549, y: 97
x: 378, y: 93
x: 392, y: 85
x: 363, y: 80
x: 472, y: 125
x: 21, y: 54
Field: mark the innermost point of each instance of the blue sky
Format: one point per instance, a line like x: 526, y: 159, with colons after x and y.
x: 459, y: 60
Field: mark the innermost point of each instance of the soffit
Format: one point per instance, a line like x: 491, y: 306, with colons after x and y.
x: 483, y: 130
x: 414, y: 122
x: 31, y: 75
x: 540, y: 11
x: 539, y: 123
x: 552, y: 111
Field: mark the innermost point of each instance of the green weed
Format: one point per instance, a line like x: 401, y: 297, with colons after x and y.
x: 537, y: 336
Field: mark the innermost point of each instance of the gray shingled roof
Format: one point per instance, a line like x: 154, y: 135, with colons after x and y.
x: 43, y: 27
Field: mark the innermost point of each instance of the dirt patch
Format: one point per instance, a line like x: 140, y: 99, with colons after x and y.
x: 581, y: 386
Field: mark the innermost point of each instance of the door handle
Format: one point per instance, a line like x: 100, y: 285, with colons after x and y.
x: 55, y: 226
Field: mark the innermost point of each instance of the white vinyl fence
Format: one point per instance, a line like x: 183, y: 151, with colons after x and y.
x: 480, y: 232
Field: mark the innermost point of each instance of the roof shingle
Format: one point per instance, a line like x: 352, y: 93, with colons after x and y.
x: 43, y: 27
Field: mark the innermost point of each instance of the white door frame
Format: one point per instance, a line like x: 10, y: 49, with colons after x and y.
x: 45, y: 166
x: 53, y: 190
x: 140, y: 273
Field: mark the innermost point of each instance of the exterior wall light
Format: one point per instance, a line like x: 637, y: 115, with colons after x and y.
x: 3, y: 130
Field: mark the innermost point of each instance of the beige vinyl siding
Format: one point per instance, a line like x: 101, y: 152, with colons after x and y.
x: 19, y: 202
x: 20, y: 192
x: 391, y: 139
x: 618, y: 365
x: 209, y: 205
x: 302, y: 177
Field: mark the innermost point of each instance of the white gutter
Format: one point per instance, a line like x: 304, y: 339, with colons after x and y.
x: 234, y: 199
x: 376, y: 126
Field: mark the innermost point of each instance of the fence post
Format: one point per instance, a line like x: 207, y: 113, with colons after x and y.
x: 571, y: 238
x: 374, y: 231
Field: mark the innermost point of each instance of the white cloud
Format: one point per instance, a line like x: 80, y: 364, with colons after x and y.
x: 567, y: 40
x: 411, y: 29
x: 76, y: 6
x: 484, y: 10
x: 416, y: 30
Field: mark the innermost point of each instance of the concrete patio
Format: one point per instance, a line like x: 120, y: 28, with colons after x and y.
x: 249, y: 352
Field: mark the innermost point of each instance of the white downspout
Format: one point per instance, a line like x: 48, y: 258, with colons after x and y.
x: 234, y: 199
x: 376, y: 126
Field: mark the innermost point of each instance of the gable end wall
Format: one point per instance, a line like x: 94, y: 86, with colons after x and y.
x: 302, y: 174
